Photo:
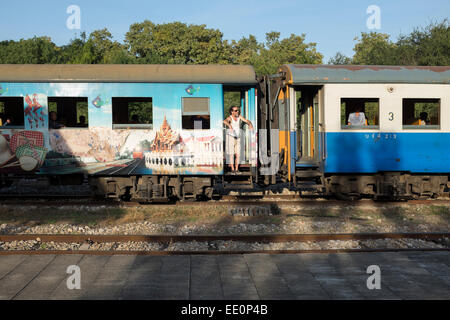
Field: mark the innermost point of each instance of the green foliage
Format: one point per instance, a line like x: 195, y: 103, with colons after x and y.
x: 175, y: 43
x: 143, y: 110
x: 31, y: 51
x: 230, y: 99
x: 82, y: 110
x: 179, y: 43
x: 276, y: 52
x: 431, y: 108
x: 428, y: 46
x: 374, y: 49
x: 340, y: 59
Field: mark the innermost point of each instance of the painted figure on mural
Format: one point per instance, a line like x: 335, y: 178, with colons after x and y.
x: 233, y: 146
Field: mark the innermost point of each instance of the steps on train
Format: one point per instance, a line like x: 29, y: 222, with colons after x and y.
x: 308, y: 176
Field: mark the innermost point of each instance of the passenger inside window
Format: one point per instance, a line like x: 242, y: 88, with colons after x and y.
x: 11, y: 112
x: 357, y: 118
x: 423, y: 121
x: 8, y: 121
x: 53, y: 121
x: 66, y: 112
x: 82, y: 123
x: 360, y: 113
x: 418, y: 113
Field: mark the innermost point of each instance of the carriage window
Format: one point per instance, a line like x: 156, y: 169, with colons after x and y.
x: 360, y: 113
x: 195, y: 113
x: 67, y: 112
x: 134, y: 113
x: 11, y: 112
x: 421, y: 113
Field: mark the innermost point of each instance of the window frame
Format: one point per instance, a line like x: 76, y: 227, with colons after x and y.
x: 141, y: 126
x: 76, y: 110
x: 422, y: 127
x: 196, y: 113
x: 22, y: 108
x: 366, y: 127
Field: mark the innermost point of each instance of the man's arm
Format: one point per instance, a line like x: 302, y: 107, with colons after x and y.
x: 227, y: 122
x: 247, y: 122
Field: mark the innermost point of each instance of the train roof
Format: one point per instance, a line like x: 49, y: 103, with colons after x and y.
x: 321, y: 74
x: 162, y: 73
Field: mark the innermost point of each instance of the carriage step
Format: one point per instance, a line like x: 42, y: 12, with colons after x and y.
x: 239, y: 186
x: 308, y: 174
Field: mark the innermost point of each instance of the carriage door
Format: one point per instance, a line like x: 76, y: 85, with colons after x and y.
x: 307, y: 107
x: 243, y: 96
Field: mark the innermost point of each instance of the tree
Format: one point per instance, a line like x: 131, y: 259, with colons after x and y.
x: 37, y: 50
x: 429, y: 46
x: 244, y: 51
x: 175, y: 43
x: 292, y: 50
x: 340, y: 59
x: 374, y: 49
x: 100, y: 48
x: 70, y: 53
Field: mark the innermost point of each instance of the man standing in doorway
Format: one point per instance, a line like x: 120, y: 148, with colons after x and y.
x: 233, y: 147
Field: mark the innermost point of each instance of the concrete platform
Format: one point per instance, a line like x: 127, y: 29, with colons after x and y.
x: 412, y: 275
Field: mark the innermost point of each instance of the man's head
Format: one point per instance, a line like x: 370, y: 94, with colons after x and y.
x: 234, y: 111
x: 82, y: 119
x: 52, y: 115
x: 423, y: 116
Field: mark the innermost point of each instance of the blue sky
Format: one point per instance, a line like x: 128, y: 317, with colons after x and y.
x: 331, y: 24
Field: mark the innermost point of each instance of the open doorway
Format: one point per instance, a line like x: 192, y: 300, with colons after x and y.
x: 307, y: 123
x: 243, y: 99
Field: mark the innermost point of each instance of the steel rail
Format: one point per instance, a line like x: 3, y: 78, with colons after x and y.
x: 265, y: 238
x: 212, y: 252
x: 67, y: 200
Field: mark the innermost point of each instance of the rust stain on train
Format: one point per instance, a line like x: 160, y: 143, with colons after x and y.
x: 375, y: 68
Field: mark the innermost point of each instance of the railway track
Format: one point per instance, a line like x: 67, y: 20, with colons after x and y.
x: 87, y: 240
x: 70, y: 200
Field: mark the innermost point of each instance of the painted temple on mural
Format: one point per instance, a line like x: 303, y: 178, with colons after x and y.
x: 191, y: 150
x: 166, y: 140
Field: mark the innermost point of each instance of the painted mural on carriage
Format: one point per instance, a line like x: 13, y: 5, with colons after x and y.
x: 160, y: 141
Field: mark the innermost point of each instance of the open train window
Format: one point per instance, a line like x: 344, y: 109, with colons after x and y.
x: 421, y: 113
x: 68, y: 112
x: 11, y: 113
x: 195, y: 113
x: 360, y: 113
x: 132, y: 112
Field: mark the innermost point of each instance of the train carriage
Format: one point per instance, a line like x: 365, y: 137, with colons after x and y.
x: 140, y: 131
x: 401, y: 149
x: 155, y: 132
